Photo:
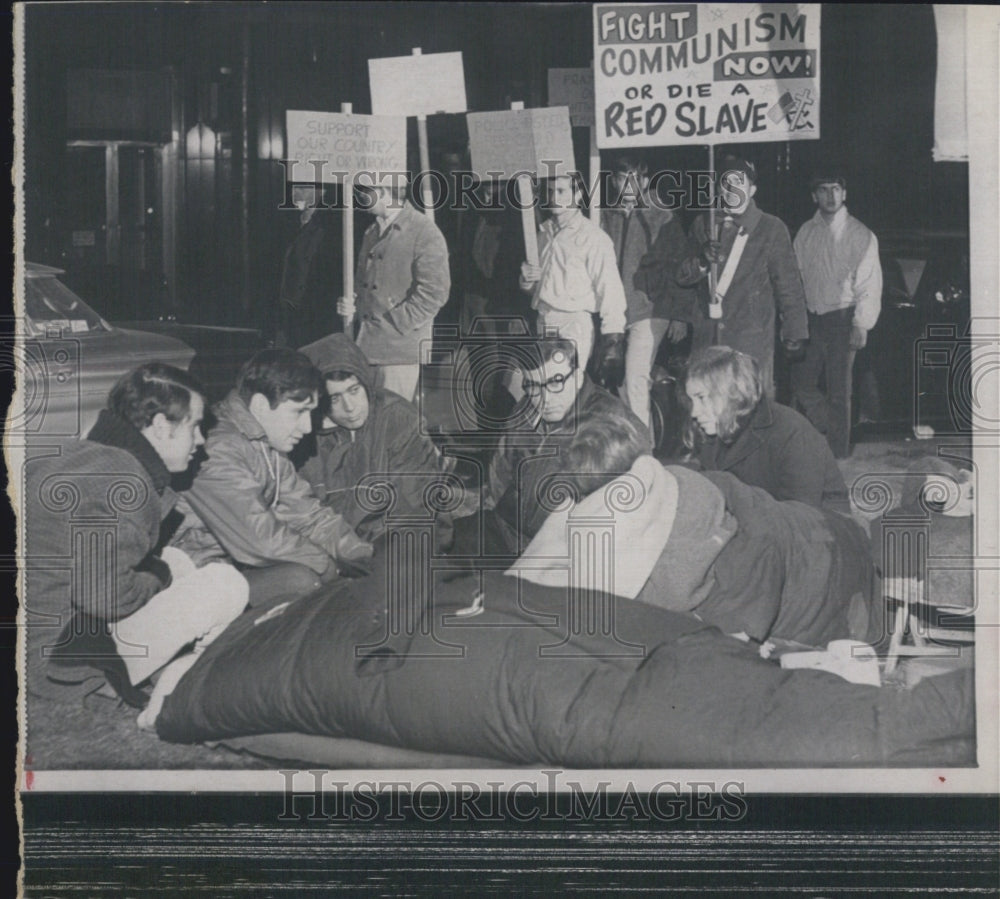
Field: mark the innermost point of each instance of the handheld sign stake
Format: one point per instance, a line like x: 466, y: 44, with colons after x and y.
x: 526, y: 200
x: 426, y: 197
x: 348, y: 243
x: 418, y: 85
x: 595, y: 177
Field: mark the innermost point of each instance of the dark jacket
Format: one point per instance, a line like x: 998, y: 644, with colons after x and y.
x: 111, y: 487
x: 782, y: 452
x: 522, y: 459
x: 402, y: 281
x: 391, y: 448
x: 649, y: 245
x: 767, y: 282
x: 248, y: 503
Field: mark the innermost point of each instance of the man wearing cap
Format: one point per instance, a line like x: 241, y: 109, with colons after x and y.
x: 577, y: 276
x: 401, y: 281
x: 838, y: 257
x: 757, y: 276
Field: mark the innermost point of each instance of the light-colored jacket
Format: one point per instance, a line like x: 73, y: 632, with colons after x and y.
x: 402, y: 281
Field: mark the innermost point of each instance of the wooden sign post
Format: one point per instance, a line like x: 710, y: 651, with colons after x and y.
x: 574, y: 88
x: 518, y: 144
x: 420, y: 86
x: 347, y: 193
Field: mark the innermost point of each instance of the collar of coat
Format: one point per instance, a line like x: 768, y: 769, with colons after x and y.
x: 406, y: 214
x: 749, y: 440
x: 749, y: 219
x: 238, y: 414
x: 113, y: 430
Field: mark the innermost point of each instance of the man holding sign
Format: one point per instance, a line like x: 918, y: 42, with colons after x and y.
x: 755, y: 274
x: 402, y: 281
x: 577, y: 276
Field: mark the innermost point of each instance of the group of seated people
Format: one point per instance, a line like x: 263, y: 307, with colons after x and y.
x: 254, y: 526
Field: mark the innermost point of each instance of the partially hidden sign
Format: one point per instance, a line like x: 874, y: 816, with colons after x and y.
x: 417, y: 85
x: 326, y: 146
x: 536, y: 142
x: 693, y: 73
x: 573, y: 88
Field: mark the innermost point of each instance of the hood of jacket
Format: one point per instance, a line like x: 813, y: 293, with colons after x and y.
x: 233, y: 412
x: 337, y: 352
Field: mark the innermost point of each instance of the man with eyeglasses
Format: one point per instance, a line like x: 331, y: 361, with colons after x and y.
x: 557, y: 391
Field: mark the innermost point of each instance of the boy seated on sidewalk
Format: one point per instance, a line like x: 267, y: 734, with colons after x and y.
x: 248, y: 503
x: 124, y: 607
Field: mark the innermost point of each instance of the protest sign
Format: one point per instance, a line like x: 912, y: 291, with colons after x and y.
x: 690, y: 73
x: 520, y: 141
x: 324, y: 146
x: 573, y: 88
x: 417, y: 85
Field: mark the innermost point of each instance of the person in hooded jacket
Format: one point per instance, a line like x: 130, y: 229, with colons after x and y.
x: 371, y: 446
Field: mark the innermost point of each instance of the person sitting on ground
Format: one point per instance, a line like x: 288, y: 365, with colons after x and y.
x: 734, y: 427
x: 557, y: 391
x: 373, y: 457
x: 248, y: 503
x: 126, y: 607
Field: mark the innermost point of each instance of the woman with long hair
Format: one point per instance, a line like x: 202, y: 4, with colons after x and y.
x: 733, y: 426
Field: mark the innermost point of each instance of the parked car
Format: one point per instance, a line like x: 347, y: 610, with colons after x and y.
x: 915, y: 372
x: 71, y: 357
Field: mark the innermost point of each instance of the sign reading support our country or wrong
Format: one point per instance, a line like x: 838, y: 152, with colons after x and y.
x: 536, y: 142
x: 417, y: 85
x: 324, y: 146
x: 573, y: 88
x: 705, y: 73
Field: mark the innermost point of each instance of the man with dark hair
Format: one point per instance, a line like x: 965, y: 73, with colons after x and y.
x: 557, y: 390
x: 373, y: 457
x: 126, y: 607
x: 840, y: 267
x: 247, y: 501
x: 576, y: 277
x: 401, y: 282
x: 756, y: 276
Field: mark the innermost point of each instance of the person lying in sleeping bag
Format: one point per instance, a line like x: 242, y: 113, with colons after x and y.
x: 704, y: 543
x: 546, y: 675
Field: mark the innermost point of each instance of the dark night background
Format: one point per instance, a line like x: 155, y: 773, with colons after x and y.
x: 203, y: 239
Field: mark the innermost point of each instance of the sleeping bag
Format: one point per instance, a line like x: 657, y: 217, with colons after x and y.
x: 543, y: 675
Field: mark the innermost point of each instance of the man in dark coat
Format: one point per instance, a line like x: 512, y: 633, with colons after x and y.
x: 558, y: 391
x: 373, y: 457
x: 758, y: 277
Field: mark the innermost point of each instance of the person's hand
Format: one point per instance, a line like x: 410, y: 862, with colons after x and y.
x: 351, y: 547
x: 711, y: 252
x: 794, y: 349
x: 345, y: 306
x: 611, y: 365
x: 676, y: 331
x: 530, y: 274
x: 859, y: 337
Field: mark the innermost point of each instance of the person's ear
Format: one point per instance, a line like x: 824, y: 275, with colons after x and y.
x: 161, y: 426
x: 752, y: 190
x: 259, y: 405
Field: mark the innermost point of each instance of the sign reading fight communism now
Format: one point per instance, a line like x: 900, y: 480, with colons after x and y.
x: 700, y: 73
x: 326, y: 146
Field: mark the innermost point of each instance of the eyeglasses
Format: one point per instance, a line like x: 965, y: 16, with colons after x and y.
x: 554, y: 384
